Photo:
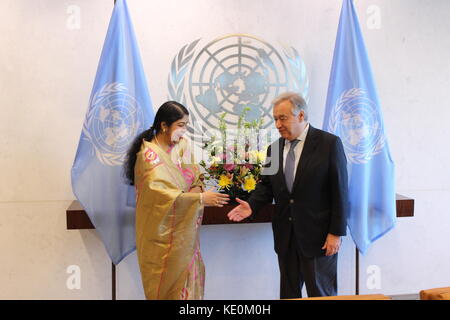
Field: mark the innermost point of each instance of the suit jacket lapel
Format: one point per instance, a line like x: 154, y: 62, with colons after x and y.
x: 307, y: 153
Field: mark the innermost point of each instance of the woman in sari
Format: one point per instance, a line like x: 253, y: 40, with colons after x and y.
x: 169, y: 207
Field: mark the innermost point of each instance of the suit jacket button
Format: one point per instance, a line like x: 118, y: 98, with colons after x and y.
x: 290, y: 218
x: 291, y: 201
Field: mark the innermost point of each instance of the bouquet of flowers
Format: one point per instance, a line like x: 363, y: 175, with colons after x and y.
x: 236, y: 159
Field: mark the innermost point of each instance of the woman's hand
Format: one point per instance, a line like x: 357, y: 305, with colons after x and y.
x: 215, y: 199
x: 196, y: 190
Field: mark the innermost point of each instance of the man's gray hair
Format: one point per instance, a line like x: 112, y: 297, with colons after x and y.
x: 297, y: 101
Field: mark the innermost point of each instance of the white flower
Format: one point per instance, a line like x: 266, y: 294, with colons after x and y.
x: 215, y: 160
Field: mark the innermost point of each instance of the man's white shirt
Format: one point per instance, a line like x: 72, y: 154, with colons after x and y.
x: 297, y: 150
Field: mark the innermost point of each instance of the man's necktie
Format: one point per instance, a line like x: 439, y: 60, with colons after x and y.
x: 289, y: 168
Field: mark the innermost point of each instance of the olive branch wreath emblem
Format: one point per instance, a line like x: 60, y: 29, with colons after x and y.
x: 105, y: 157
x: 180, y: 67
x: 352, y: 156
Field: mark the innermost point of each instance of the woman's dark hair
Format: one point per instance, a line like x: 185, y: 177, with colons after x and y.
x: 169, y: 112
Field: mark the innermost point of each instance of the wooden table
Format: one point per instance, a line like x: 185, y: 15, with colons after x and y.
x: 78, y: 219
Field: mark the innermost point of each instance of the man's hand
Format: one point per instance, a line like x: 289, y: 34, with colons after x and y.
x: 241, y: 212
x: 332, y: 244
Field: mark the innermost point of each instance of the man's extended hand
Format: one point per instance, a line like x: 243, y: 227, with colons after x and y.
x: 241, y: 212
x: 332, y: 244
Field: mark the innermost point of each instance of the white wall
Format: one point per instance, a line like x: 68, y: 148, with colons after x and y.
x: 46, y: 74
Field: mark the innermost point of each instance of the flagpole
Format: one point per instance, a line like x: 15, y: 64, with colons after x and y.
x: 357, y: 271
x: 119, y: 74
x: 113, y: 269
x: 352, y: 90
x: 113, y: 282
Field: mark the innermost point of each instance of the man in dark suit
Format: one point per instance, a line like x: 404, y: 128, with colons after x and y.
x: 306, y: 174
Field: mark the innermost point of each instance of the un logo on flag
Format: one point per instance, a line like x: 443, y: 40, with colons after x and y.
x: 357, y: 121
x: 113, y: 120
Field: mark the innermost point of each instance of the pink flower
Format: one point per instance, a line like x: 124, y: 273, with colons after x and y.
x: 229, y: 167
x: 248, y: 166
x: 223, y: 156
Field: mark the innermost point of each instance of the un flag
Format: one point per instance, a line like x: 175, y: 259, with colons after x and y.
x: 119, y: 109
x: 353, y: 113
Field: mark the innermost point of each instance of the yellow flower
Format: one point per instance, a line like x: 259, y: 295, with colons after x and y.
x: 224, y: 181
x: 249, y: 183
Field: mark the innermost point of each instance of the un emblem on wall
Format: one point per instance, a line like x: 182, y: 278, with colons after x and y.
x: 231, y: 73
x: 113, y: 120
